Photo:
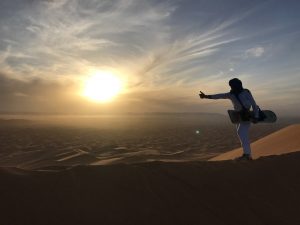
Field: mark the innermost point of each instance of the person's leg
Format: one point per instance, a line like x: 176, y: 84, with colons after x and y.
x: 243, y: 131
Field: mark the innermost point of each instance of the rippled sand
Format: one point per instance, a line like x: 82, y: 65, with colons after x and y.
x: 98, y: 140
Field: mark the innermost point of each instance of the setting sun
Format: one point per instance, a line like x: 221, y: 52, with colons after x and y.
x: 102, y: 86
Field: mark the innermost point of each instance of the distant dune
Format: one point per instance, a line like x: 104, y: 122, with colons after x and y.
x: 19, y: 122
x: 283, y: 141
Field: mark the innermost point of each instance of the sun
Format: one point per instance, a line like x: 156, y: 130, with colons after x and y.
x: 102, y: 86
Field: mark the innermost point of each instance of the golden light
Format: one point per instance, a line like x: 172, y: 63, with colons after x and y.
x: 102, y: 86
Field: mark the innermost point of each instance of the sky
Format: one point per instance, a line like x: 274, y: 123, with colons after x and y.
x: 164, y: 51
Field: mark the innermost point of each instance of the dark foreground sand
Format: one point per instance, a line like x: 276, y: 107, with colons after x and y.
x: 264, y: 191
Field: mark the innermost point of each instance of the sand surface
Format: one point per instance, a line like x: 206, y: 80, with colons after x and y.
x: 106, y: 175
x: 69, y: 141
x: 264, y: 191
x: 281, y: 142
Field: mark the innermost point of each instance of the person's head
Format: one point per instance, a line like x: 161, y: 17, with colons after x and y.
x: 236, y: 85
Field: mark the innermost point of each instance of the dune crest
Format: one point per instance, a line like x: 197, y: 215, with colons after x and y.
x: 284, y: 141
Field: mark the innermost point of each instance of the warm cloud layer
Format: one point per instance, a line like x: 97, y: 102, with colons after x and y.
x: 165, y: 51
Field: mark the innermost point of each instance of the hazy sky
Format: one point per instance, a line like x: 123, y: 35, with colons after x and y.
x: 164, y: 50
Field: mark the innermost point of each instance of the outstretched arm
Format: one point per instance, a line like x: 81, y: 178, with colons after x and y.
x: 216, y: 96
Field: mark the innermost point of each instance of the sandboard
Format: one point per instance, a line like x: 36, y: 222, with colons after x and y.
x: 270, y: 117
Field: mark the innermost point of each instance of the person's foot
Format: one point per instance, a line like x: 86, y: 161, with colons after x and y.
x: 244, y: 157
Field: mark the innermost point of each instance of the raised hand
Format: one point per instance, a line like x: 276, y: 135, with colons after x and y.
x: 202, y: 95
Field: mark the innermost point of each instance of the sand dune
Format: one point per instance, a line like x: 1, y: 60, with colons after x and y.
x: 264, y: 191
x: 283, y: 141
x: 73, y: 141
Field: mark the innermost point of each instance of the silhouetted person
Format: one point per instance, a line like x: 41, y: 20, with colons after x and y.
x: 242, y: 101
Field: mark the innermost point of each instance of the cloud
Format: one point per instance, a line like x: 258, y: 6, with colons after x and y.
x: 255, y: 52
x: 58, y: 40
x: 67, y: 38
x: 38, y: 95
x: 64, y: 38
x: 49, y: 46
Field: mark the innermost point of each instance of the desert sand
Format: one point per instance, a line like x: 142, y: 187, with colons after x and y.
x: 34, y: 142
x: 264, y: 191
x: 281, y: 142
x: 42, y: 181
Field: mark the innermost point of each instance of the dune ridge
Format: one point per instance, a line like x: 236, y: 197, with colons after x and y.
x: 284, y: 141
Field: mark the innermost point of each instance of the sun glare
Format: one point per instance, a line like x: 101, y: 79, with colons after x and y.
x: 102, y: 86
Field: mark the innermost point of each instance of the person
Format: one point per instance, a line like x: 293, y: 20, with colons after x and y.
x: 242, y: 101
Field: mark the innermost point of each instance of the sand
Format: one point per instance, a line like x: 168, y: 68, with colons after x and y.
x: 105, y: 140
x: 281, y: 142
x: 264, y: 191
x: 55, y: 179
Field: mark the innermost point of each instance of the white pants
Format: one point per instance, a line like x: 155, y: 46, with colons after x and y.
x: 243, y: 131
